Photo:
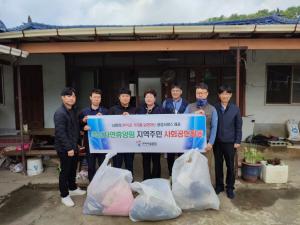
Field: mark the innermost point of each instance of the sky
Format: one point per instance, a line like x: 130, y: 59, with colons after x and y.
x: 128, y: 12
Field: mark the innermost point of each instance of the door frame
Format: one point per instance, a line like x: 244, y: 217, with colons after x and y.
x: 16, y: 101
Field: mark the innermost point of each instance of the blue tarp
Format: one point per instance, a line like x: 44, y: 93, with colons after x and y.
x: 274, y: 19
x: 2, y: 27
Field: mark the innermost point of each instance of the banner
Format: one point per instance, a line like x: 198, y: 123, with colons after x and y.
x: 147, y: 133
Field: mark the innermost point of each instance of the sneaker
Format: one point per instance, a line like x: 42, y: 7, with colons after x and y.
x: 67, y: 201
x: 230, y: 194
x: 77, y: 191
x: 218, y: 190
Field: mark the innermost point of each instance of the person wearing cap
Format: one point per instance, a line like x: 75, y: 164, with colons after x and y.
x: 174, y: 105
x: 67, y: 139
x: 93, y: 109
x: 123, y: 108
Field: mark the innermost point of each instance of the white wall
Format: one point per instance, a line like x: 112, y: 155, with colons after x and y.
x: 256, y: 87
x: 53, y: 82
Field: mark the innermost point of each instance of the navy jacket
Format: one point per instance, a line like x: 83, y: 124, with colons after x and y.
x: 169, y: 106
x: 156, y: 110
x: 229, y: 124
x: 66, y: 130
x: 119, y: 110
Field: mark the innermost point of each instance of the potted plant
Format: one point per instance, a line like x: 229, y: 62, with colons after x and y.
x: 274, y: 171
x: 251, y: 166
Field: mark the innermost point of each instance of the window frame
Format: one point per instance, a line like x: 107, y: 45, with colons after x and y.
x: 291, y: 84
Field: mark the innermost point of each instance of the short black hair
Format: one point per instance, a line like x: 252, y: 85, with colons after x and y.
x: 124, y: 91
x: 226, y: 88
x: 176, y: 85
x: 96, y: 91
x: 150, y: 91
x: 202, y: 86
x: 68, y: 91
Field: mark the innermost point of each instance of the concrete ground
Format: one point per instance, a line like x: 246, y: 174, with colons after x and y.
x: 35, y: 200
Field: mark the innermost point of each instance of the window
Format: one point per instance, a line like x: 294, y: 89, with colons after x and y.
x: 283, y: 84
x: 296, y: 85
x: 1, y: 87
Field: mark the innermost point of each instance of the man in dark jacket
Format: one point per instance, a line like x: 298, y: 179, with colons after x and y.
x: 123, y: 108
x: 174, y: 105
x: 66, y: 145
x: 92, y: 110
x: 228, y: 140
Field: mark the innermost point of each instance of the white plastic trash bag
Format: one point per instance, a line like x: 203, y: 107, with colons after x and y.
x: 191, y: 184
x: 109, y: 193
x: 154, y: 202
x: 293, y: 130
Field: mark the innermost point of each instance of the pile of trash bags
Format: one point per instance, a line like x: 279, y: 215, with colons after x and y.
x: 110, y: 192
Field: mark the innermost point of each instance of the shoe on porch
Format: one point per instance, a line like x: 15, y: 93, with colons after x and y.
x: 67, y: 201
x: 230, y: 194
x: 218, y: 190
x: 77, y: 191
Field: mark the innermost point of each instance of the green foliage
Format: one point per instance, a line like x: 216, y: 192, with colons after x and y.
x: 291, y: 12
x: 252, y: 156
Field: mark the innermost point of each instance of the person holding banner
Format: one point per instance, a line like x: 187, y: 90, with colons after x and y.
x: 201, y: 106
x: 174, y: 105
x: 93, y: 109
x: 66, y: 145
x: 149, y: 107
x: 228, y: 140
x: 123, y: 108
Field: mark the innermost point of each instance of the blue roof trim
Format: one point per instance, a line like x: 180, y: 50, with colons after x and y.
x: 274, y: 19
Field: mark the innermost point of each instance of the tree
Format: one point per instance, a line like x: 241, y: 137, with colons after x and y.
x: 291, y: 12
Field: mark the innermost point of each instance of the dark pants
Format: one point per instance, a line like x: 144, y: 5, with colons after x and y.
x: 155, y: 172
x: 127, y: 158
x: 92, y: 159
x: 67, y: 175
x: 224, y: 151
x: 171, y: 159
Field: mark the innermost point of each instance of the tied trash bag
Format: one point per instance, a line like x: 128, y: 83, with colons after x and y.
x: 109, y: 193
x: 191, y: 184
x: 154, y: 202
x: 292, y: 127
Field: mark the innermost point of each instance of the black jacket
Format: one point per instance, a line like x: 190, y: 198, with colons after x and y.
x: 119, y: 110
x: 229, y: 124
x: 66, y: 130
x: 156, y: 110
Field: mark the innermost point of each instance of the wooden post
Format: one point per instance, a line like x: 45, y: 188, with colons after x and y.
x: 238, y: 60
x: 237, y: 97
x: 20, y: 114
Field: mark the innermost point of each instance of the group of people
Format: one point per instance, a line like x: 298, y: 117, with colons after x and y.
x: 223, y: 129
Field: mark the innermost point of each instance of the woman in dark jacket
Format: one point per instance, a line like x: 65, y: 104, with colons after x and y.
x: 149, y: 107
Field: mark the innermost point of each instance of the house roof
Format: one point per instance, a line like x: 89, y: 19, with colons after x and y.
x: 275, y: 26
x: 274, y: 19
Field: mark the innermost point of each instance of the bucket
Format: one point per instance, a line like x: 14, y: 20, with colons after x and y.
x: 34, y: 166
